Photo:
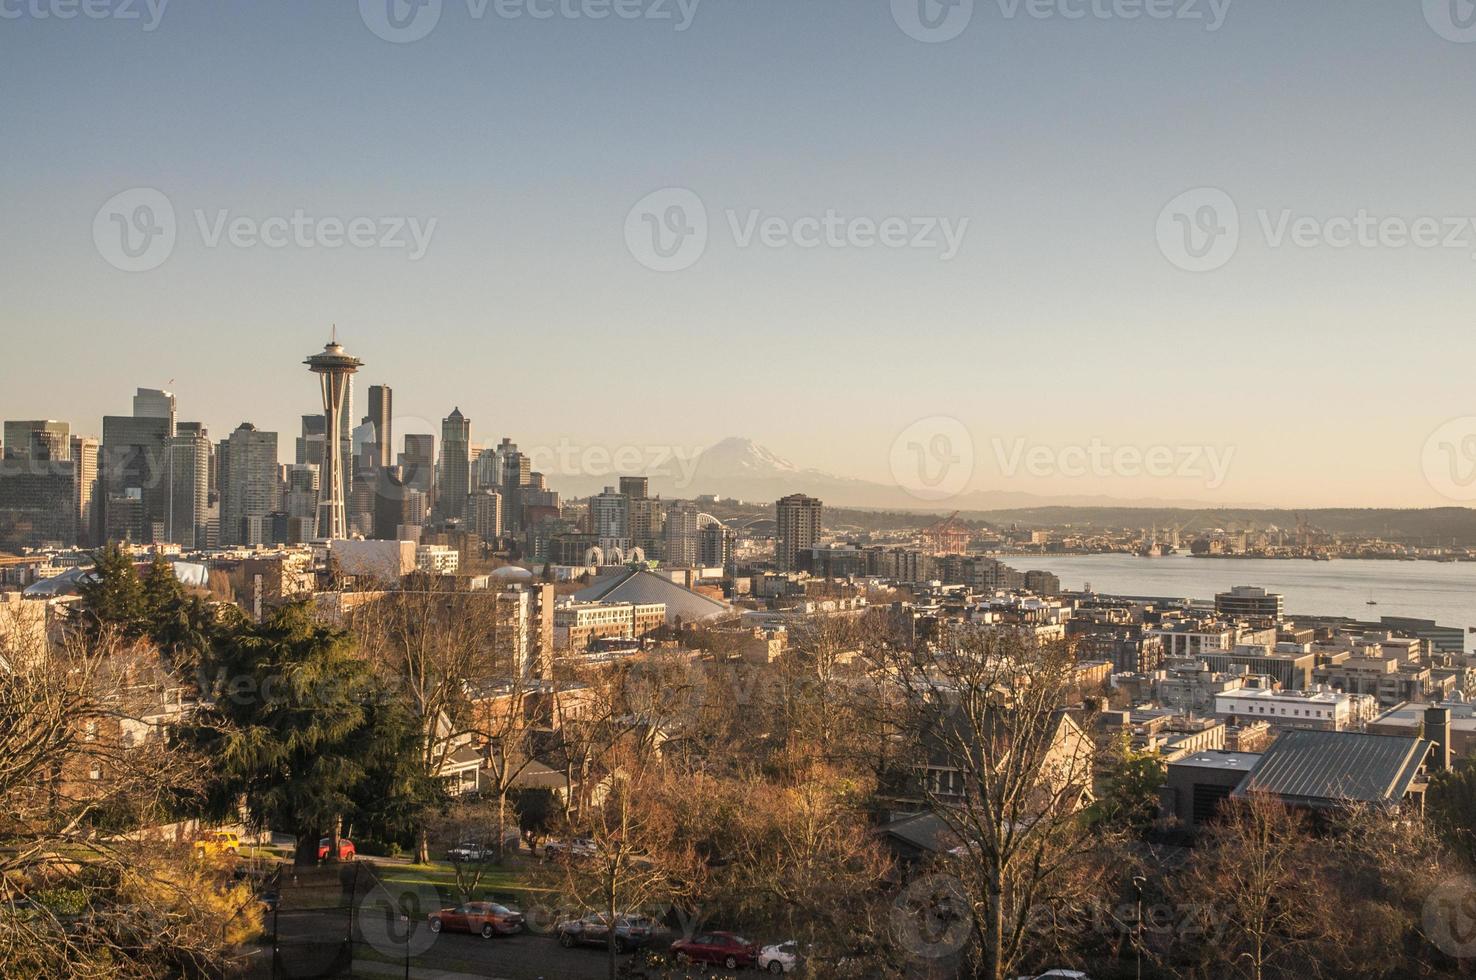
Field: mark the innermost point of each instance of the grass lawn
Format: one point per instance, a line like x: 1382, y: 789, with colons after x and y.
x: 504, y: 881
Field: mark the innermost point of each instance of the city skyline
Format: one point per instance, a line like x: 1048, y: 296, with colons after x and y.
x: 1069, y: 473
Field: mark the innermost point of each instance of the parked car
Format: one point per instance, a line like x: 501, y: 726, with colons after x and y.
x: 580, y: 847
x: 218, y: 843
x: 780, y: 958
x: 467, y: 851
x: 485, y: 919
x: 725, y: 948
x: 346, y: 851
x: 631, y: 931
x: 1058, y: 975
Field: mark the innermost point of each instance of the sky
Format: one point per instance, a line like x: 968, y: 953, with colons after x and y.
x: 1035, y: 239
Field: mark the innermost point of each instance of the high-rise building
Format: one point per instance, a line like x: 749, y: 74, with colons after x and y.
x: 37, y: 503
x: 335, y: 369
x: 248, y: 484
x: 135, y: 474
x: 717, y: 546
x: 187, y: 513
x: 454, y: 480
x: 799, y: 519
x: 310, y: 443
x: 86, y: 452
x: 418, y: 462
x: 301, y: 484
x: 381, y: 416
x: 647, y: 520
x: 40, y: 439
x: 635, y: 487
x: 683, y: 540
x: 484, y: 514
x: 609, y: 516
x: 151, y: 403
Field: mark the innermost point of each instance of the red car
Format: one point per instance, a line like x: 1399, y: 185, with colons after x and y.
x: 346, y: 850
x: 485, y: 919
x: 726, y: 948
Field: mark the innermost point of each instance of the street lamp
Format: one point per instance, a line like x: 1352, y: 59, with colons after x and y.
x: 1138, y: 882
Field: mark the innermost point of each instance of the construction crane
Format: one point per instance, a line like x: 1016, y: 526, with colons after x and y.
x: 949, y: 536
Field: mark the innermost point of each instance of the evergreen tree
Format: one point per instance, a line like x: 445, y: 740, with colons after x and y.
x: 392, y: 799
x: 113, y: 596
x: 290, y: 727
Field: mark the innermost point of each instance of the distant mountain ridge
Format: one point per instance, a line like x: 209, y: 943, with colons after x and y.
x: 740, y: 468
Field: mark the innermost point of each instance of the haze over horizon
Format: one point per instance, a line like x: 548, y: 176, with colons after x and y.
x: 1050, y: 147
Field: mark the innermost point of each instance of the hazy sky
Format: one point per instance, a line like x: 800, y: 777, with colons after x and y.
x: 1063, y: 314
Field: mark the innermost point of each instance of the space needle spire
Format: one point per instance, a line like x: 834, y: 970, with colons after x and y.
x: 333, y: 368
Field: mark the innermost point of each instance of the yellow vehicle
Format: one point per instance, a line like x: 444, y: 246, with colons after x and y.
x: 218, y: 843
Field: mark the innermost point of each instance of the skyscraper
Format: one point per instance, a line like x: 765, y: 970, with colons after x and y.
x: 335, y: 369
x: 635, y: 487
x: 135, y: 476
x: 187, y: 516
x: 609, y: 517
x: 248, y: 483
x: 381, y: 416
x: 455, y: 476
x: 683, y: 541
x: 799, y: 528
x: 418, y: 462
x: 85, y: 455
x: 151, y: 403
x: 39, y: 439
x: 484, y: 514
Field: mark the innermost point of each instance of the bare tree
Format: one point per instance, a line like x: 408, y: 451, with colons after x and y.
x: 1257, y: 883
x: 429, y: 643
x: 1005, y: 768
x: 639, y: 858
x: 93, y: 882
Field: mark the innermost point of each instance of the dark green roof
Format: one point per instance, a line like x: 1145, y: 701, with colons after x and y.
x: 1326, y: 768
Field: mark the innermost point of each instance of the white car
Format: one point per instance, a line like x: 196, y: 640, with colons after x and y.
x: 1058, y: 975
x: 780, y: 958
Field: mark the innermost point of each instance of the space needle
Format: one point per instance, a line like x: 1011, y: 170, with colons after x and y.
x: 333, y: 368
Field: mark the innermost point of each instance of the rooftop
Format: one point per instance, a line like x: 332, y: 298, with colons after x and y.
x: 1229, y: 761
x: 1318, y: 768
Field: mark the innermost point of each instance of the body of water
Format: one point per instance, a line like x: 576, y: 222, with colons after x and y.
x: 1444, y: 592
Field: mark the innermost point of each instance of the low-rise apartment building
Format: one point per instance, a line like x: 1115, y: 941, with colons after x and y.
x: 1322, y: 710
x: 578, y: 624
